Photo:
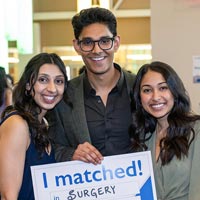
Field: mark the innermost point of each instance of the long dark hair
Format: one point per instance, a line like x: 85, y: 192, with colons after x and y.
x: 180, y: 132
x: 24, y: 103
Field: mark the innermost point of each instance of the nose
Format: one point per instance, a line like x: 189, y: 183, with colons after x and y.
x: 51, y: 87
x: 156, y: 95
x: 96, y: 48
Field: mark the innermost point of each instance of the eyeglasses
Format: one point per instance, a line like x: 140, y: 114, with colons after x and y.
x: 104, y: 43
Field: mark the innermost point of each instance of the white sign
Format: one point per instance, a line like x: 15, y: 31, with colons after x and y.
x: 121, y: 177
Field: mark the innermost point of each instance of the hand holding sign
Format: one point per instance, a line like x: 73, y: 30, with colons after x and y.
x: 123, y: 177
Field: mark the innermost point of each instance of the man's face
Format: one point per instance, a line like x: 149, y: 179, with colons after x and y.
x: 97, y: 61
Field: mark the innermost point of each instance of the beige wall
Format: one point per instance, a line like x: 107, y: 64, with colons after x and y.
x: 53, y: 6
x: 60, y: 33
x: 133, y: 30
x: 175, y: 38
x: 56, y: 33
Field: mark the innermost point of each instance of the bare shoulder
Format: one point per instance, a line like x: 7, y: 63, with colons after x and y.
x: 15, y: 130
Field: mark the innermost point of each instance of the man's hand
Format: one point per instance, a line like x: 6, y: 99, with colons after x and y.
x: 87, y: 153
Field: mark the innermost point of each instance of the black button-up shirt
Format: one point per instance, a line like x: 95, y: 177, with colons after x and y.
x: 108, y: 126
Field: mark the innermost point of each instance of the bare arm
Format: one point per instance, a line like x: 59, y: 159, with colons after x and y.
x: 14, y: 140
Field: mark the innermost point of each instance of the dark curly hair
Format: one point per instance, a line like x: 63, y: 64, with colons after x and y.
x: 91, y: 16
x: 180, y: 119
x: 24, y: 103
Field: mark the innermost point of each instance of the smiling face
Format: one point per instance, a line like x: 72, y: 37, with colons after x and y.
x: 156, y: 97
x: 49, y: 87
x: 97, y: 61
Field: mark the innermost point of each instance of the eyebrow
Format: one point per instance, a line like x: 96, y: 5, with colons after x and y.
x: 43, y: 74
x: 150, y: 85
x: 89, y: 38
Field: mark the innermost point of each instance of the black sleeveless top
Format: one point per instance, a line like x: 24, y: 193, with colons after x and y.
x: 32, y: 158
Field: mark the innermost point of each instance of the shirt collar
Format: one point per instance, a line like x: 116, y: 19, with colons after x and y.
x: 88, y: 90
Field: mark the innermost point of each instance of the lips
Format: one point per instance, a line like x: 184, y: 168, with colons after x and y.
x: 49, y: 99
x: 157, y: 106
x: 97, y: 58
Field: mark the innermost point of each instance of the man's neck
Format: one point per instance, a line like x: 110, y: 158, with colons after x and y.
x: 104, y: 81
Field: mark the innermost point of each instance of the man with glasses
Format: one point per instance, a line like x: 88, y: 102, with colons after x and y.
x: 97, y: 123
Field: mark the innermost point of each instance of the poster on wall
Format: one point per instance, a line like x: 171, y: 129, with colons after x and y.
x: 196, y: 69
x: 121, y: 177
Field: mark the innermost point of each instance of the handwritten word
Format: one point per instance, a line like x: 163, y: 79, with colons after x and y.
x: 94, y: 192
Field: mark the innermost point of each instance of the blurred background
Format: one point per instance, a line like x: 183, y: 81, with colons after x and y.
x: 45, y: 26
x: 165, y: 30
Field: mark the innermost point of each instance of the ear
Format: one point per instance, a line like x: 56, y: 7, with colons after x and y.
x: 76, y: 46
x: 116, y: 43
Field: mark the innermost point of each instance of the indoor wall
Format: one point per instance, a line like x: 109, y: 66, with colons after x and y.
x: 175, y: 33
